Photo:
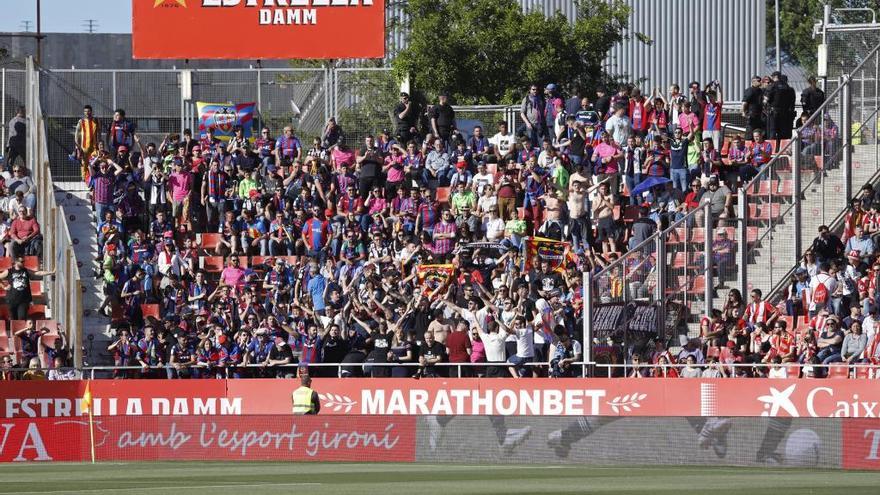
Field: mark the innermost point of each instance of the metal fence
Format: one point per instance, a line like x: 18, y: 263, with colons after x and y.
x: 64, y: 290
x: 812, y: 178
x: 12, y: 96
x: 661, y: 287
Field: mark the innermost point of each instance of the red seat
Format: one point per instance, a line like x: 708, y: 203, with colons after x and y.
x: 212, y: 264
x: 37, y: 311
x: 782, y: 145
x: 209, y: 241
x: 786, y: 188
x: 838, y: 371
x: 443, y: 194
x: 753, y: 211
x: 771, y: 210
x: 32, y: 263
x: 697, y: 235
x: 698, y: 287
x: 864, y: 371
x: 6, y: 347
x: 5, y: 262
x: 679, y: 261
x: 761, y: 188
x: 150, y: 310
x: 820, y: 162
x: 725, y: 147
x: 16, y: 325
x: 794, y: 370
x: 751, y: 235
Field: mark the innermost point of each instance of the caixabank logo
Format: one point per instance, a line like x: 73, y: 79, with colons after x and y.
x: 818, y: 402
x: 170, y: 3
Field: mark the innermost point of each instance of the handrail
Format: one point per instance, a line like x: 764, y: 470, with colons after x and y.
x: 652, y: 239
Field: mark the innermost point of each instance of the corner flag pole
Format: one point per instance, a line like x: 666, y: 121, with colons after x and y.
x: 87, y: 405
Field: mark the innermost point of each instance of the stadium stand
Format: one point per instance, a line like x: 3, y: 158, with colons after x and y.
x: 218, y: 257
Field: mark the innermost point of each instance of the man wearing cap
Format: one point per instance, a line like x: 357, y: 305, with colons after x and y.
x: 753, y: 106
x: 305, y: 400
x: 279, y: 356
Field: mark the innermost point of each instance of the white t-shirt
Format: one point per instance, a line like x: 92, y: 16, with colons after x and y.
x: 483, y: 180
x: 494, y: 345
x: 619, y: 127
x: 502, y: 142
x: 825, y: 279
x: 494, y: 229
x: 525, y: 342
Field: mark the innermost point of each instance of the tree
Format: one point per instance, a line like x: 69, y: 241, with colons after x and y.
x: 488, y: 51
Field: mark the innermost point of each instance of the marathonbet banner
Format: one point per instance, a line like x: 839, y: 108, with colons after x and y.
x: 407, y: 397
x: 258, y: 29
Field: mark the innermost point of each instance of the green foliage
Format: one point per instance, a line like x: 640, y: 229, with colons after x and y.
x: 489, y: 51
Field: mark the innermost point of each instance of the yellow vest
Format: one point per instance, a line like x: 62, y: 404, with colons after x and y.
x: 302, y: 401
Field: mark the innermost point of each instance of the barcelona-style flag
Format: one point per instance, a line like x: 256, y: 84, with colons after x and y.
x: 223, y: 117
x: 433, y: 278
x: 538, y: 249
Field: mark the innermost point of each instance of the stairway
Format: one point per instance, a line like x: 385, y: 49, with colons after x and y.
x: 773, y: 257
x: 72, y: 197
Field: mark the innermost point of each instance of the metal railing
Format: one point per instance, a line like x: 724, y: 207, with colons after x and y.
x: 813, y: 177
x: 657, y: 288
x: 64, y: 290
x: 587, y: 369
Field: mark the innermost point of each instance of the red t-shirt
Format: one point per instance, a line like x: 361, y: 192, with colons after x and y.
x: 458, y: 343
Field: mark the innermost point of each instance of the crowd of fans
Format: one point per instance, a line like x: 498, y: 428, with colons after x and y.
x: 246, y: 257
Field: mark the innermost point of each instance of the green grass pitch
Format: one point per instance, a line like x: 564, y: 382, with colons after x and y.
x: 217, y: 478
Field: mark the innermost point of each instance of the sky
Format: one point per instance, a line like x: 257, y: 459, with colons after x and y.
x: 67, y: 16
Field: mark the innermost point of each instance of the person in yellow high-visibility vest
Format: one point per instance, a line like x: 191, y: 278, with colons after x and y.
x: 305, y: 400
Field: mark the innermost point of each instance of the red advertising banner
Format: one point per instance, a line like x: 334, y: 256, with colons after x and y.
x: 258, y: 29
x: 861, y: 444
x: 162, y: 438
x: 525, y: 397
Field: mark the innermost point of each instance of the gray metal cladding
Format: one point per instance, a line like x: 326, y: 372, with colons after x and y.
x: 700, y: 40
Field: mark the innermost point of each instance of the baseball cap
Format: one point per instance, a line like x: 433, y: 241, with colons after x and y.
x: 221, y: 339
x: 855, y: 253
x: 197, y: 148
x: 550, y: 87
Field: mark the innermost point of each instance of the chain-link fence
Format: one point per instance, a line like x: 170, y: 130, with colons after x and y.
x: 363, y: 101
x: 154, y: 101
x: 12, y: 96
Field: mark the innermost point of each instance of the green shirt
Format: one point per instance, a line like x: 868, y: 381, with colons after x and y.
x: 245, y: 186
x: 465, y: 199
